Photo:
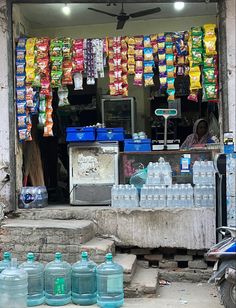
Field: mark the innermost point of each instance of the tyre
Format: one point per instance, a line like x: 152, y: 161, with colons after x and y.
x: 228, y: 294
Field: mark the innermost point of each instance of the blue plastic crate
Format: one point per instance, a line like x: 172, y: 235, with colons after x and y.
x: 77, y: 134
x: 137, y: 145
x: 110, y: 134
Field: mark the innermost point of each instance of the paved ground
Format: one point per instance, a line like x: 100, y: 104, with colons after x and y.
x: 176, y: 295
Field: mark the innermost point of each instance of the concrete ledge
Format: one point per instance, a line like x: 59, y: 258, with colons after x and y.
x: 147, y: 228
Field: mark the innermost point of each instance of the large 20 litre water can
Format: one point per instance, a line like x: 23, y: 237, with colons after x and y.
x: 84, y: 284
x: 110, y: 293
x: 6, y: 261
x: 35, y: 272
x: 13, y: 287
x: 58, y: 282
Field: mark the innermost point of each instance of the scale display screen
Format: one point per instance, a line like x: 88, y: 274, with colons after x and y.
x: 166, y: 112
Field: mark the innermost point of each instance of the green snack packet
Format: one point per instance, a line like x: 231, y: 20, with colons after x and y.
x: 56, y: 78
x: 196, y: 31
x: 211, y: 91
x: 197, y: 41
x: 209, y: 75
x: 197, y: 56
x: 57, y: 63
x: 208, y: 61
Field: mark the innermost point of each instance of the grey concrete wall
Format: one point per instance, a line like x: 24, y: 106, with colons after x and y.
x: 231, y: 62
x: 152, y: 228
x: 4, y: 111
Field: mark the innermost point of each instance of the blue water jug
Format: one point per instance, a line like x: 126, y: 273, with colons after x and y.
x: 57, y: 282
x: 84, y: 284
x: 6, y: 261
x: 13, y: 287
x: 35, y: 272
x: 110, y: 293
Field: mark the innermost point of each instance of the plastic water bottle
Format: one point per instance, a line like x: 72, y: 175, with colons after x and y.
x: 196, y: 172
x: 57, y: 282
x: 134, y: 197
x: 110, y: 293
x: 6, y: 261
x: 84, y: 283
x: 13, y: 287
x: 35, y: 272
x: 114, y: 196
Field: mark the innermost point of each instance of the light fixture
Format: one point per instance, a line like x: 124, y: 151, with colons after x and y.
x: 66, y: 10
x: 179, y: 5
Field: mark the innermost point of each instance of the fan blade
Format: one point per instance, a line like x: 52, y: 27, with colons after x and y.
x: 146, y: 12
x: 103, y: 12
x: 121, y: 21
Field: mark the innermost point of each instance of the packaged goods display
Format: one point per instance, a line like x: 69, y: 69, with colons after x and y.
x: 157, y: 190
x: 45, y: 65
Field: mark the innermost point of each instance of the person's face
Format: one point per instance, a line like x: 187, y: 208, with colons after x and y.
x: 202, y: 129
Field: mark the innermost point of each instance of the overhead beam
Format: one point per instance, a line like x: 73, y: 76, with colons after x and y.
x: 110, y: 1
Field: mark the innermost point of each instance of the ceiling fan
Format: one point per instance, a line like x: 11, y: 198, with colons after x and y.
x: 122, y: 17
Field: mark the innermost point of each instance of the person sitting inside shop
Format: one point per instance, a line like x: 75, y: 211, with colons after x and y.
x: 199, y: 137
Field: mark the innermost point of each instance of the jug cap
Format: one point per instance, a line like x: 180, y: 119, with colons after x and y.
x: 7, y: 255
x: 84, y: 255
x: 109, y: 256
x: 30, y: 256
x: 58, y: 256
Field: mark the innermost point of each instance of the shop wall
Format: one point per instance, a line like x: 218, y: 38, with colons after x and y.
x: 4, y: 110
x: 131, y: 28
x: 231, y: 63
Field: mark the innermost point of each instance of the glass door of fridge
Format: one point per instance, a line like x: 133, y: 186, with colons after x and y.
x: 119, y: 113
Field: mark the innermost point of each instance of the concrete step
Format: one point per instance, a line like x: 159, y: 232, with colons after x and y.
x: 45, y: 237
x: 97, y: 248
x: 185, y: 275
x: 145, y: 283
x: 129, y: 263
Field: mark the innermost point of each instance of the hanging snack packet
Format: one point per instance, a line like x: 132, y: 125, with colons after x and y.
x: 30, y: 46
x: 209, y: 29
x: 197, y: 56
x: 48, y: 131
x: 171, y: 83
x: 193, y: 96
x: 171, y: 94
x: 148, y: 54
x: 138, y: 78
x: 195, y: 75
x: 125, y: 90
x: 21, y: 108
x: 170, y: 59
x: 20, y: 56
x: 169, y: 48
x: 67, y: 78
x: 56, y: 47
x: 45, y: 86
x: 112, y: 89
x: 63, y: 96
x: 163, y: 82
x: 209, y: 61
x: 56, y: 63
x: 197, y: 41
x: 20, y: 94
x: 211, y: 92
x: 148, y: 66
x: 78, y: 81
x: 20, y: 68
x: 56, y: 78
x: 147, y: 41
x: 196, y: 31
x: 66, y: 48
x: 148, y: 80
x: 209, y: 75
x: 21, y: 121
x: 42, y: 47
x: 20, y: 81
x: 21, y: 44
x: 170, y: 71
x: 210, y: 45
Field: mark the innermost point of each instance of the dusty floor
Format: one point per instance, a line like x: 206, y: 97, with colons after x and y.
x: 176, y: 295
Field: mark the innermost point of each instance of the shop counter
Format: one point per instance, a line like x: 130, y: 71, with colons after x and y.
x: 131, y: 162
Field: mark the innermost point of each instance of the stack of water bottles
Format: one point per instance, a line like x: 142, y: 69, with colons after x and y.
x: 59, y: 283
x: 33, y: 197
x: 180, y: 195
x: 204, y: 183
x: 124, y: 196
x: 153, y: 196
x: 159, y: 175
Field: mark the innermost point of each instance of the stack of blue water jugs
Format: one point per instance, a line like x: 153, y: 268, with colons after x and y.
x: 59, y: 283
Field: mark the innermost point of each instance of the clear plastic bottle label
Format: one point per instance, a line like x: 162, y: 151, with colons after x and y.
x: 114, y: 284
x: 59, y: 286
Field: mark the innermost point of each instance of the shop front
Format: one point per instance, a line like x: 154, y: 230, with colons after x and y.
x: 106, y: 97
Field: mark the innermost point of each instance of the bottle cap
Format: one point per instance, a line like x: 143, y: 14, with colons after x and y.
x: 7, y: 256
x: 84, y: 255
x: 30, y: 256
x: 58, y: 256
x: 109, y: 257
